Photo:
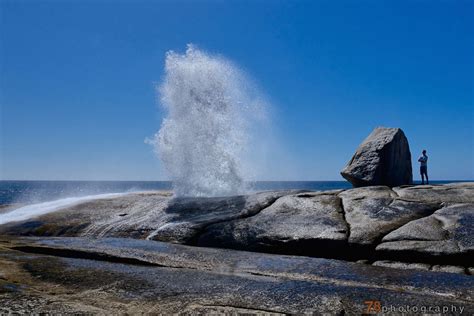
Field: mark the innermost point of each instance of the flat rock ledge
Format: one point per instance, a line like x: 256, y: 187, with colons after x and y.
x: 77, y: 275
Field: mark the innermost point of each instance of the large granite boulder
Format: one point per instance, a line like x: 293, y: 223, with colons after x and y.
x: 383, y: 158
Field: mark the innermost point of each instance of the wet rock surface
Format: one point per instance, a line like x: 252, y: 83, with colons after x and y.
x: 136, y: 253
x: 414, y: 245
x: 369, y: 223
x: 185, y: 218
x: 151, y: 215
x: 73, y: 275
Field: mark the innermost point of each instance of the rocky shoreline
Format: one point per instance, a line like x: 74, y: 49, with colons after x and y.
x: 286, y: 252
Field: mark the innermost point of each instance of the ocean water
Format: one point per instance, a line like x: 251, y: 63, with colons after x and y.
x: 29, y: 192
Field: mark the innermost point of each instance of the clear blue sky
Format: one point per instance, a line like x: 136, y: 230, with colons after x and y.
x: 77, y: 80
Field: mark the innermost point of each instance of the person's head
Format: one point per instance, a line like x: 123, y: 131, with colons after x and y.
x: 424, y: 151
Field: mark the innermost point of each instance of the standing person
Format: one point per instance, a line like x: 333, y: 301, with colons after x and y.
x: 424, y: 167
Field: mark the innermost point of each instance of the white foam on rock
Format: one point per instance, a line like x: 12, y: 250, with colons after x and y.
x: 35, y: 210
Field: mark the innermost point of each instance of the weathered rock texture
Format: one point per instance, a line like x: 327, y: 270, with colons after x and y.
x: 413, y: 224
x: 127, y: 276
x: 115, y: 261
x: 383, y: 158
x: 374, y: 211
x: 452, y: 193
x: 298, y: 224
x: 449, y: 231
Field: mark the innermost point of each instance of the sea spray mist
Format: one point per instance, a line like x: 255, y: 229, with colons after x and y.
x: 210, y: 107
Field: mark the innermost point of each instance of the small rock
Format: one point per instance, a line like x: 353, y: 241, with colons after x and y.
x: 401, y: 265
x: 449, y: 269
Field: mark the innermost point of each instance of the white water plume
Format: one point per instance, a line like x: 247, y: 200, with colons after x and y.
x: 210, y: 108
x: 35, y: 210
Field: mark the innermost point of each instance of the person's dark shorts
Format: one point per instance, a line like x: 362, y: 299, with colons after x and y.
x: 423, y: 170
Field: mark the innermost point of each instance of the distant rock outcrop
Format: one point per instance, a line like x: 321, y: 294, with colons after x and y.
x: 383, y: 158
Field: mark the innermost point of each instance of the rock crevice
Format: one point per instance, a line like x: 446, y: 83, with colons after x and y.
x: 343, y: 212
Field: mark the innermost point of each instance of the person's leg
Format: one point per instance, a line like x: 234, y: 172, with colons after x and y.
x: 426, y: 175
x: 422, y: 176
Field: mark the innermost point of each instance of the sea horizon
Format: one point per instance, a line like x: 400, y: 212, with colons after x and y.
x: 37, y: 191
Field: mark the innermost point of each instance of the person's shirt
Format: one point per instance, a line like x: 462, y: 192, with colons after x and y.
x: 423, y: 160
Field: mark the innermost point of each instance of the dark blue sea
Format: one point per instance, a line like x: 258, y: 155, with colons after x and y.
x: 28, y: 192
